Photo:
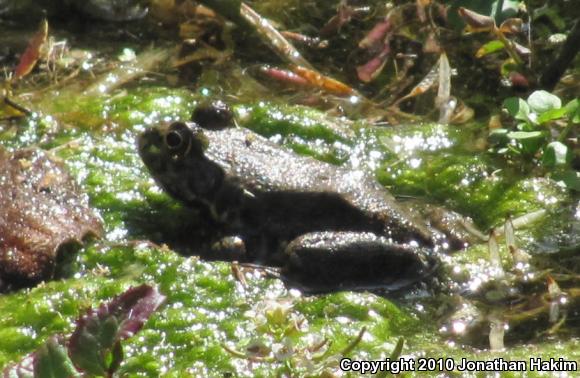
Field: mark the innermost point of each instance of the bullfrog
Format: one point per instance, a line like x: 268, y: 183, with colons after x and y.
x: 328, y: 227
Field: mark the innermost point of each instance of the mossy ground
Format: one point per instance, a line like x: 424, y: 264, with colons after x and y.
x: 207, y: 307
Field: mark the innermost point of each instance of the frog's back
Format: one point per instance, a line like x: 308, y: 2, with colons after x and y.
x: 267, y: 170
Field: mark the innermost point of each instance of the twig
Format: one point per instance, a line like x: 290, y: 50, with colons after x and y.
x: 239, y: 354
x: 509, y: 46
x: 272, y: 37
x: 552, y: 74
x: 16, y: 106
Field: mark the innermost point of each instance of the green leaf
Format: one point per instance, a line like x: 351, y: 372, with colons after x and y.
x: 502, y: 9
x: 529, y: 141
x: 94, y: 344
x: 573, y: 110
x: 52, y: 361
x: 551, y: 115
x: 523, y: 135
x: 527, y: 126
x: 508, y: 66
x: 88, y: 353
x: 116, y: 357
x: 570, y: 178
x: 498, y: 136
x: 517, y: 108
x: 542, y: 101
x: 556, y: 153
x: 489, y: 47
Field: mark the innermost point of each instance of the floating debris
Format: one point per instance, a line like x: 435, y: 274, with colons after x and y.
x: 43, y: 216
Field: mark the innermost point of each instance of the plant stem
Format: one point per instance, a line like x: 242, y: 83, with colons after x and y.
x: 552, y: 74
x: 509, y: 47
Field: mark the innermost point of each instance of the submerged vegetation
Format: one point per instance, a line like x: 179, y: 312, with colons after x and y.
x: 468, y: 105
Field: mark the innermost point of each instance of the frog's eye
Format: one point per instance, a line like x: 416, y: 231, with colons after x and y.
x: 174, y: 140
x: 178, y: 139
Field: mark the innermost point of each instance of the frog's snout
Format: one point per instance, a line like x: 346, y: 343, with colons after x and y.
x: 149, y: 144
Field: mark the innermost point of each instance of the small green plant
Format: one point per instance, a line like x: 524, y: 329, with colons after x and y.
x: 283, y: 340
x: 542, y: 132
x: 94, y: 349
x: 503, y: 37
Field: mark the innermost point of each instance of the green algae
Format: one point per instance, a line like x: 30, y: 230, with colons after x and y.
x: 306, y: 131
x: 207, y: 308
x: 444, y: 164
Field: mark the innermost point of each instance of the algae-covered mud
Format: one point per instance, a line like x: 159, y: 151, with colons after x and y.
x: 512, y: 295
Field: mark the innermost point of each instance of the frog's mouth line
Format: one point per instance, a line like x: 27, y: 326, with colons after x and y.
x: 152, y: 149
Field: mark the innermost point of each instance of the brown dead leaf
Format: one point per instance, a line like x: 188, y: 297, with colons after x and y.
x: 42, y: 215
x: 424, y: 85
x: 476, y: 23
x: 32, y: 53
x: 511, y: 26
x: 321, y: 81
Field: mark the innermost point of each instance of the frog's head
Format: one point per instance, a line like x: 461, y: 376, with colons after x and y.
x: 174, y: 155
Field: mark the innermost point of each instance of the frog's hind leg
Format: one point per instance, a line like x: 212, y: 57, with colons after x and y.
x: 330, y: 261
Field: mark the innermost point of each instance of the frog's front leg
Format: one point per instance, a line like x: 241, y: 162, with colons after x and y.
x: 326, y: 261
x: 228, y: 248
x: 256, y: 249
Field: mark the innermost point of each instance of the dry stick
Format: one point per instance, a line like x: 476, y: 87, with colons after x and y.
x: 556, y: 69
x: 16, y: 106
x: 272, y: 37
x: 508, y: 44
x: 239, y: 354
